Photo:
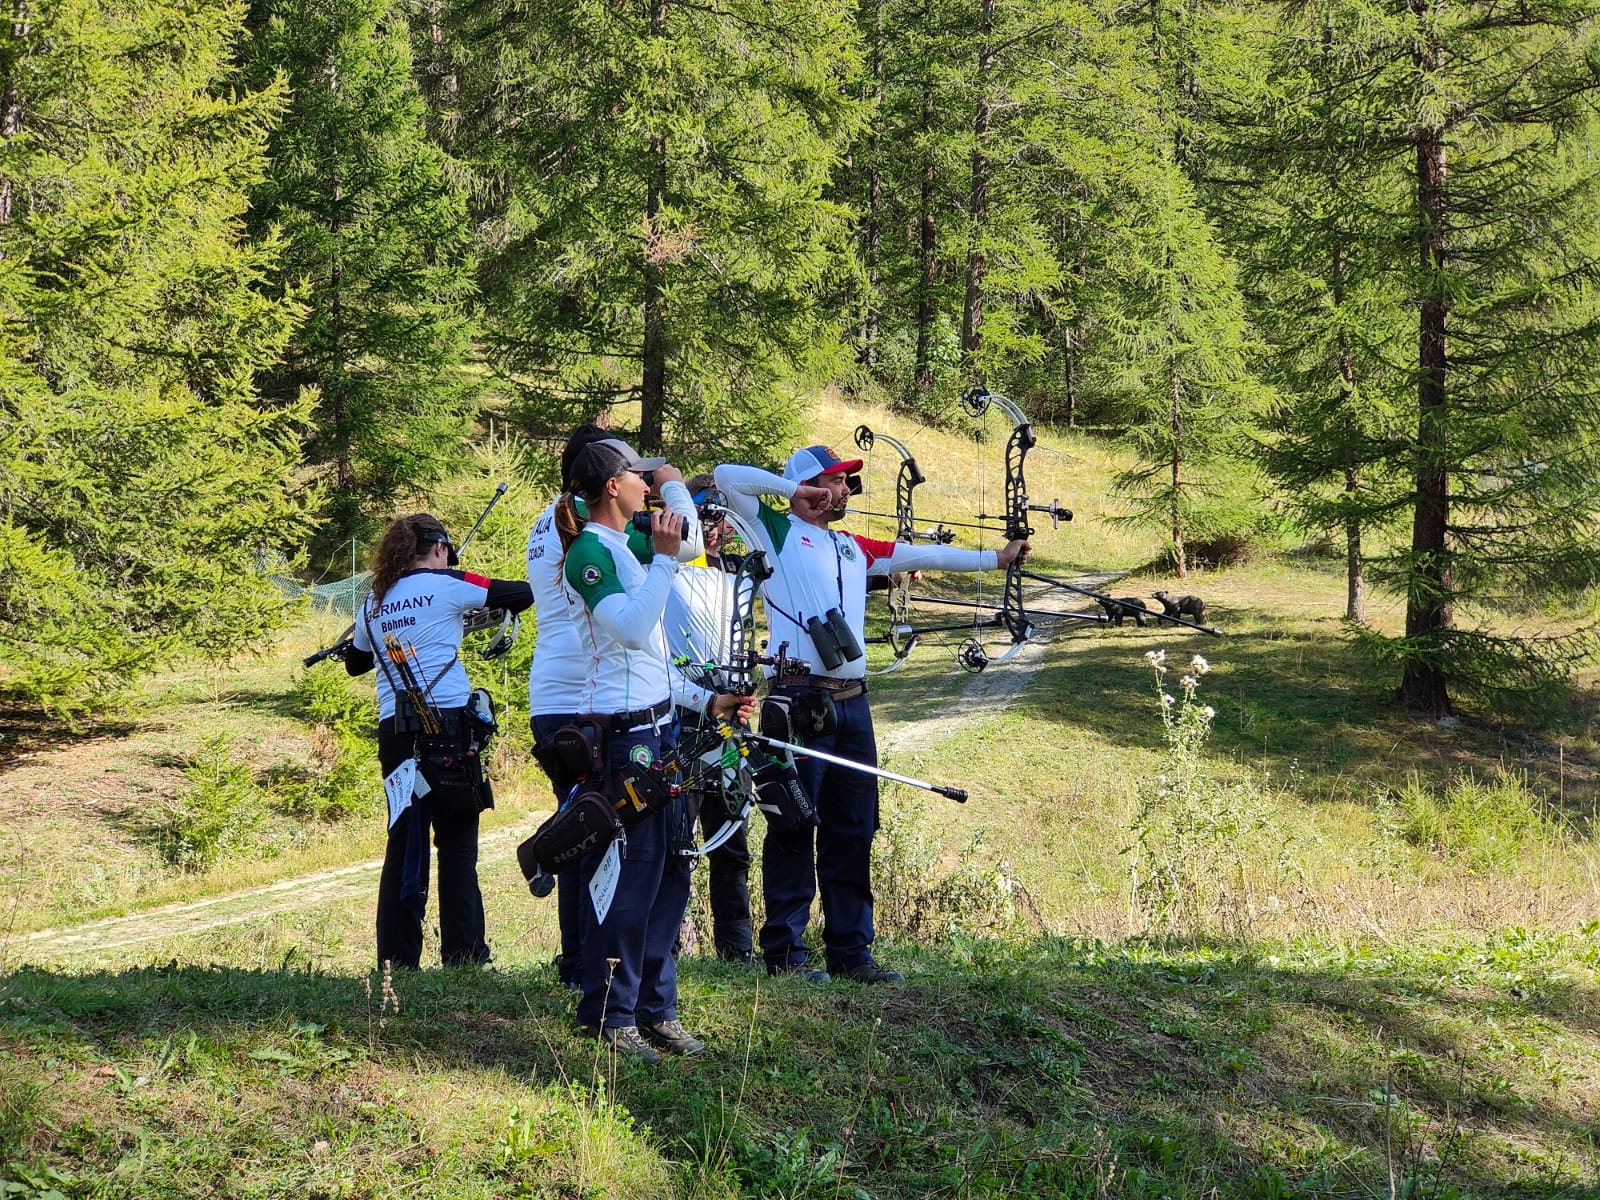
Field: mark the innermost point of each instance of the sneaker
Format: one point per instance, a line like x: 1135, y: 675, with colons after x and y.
x: 803, y: 969
x: 625, y: 1040
x: 672, y: 1037
x: 735, y: 954
x: 870, y: 972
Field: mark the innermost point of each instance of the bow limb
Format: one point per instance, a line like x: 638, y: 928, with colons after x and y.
x: 977, y: 402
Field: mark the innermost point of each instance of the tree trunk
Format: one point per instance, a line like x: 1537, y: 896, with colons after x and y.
x: 867, y: 354
x: 1355, y: 603
x: 977, y: 261
x: 653, y: 387
x: 1179, y: 558
x: 11, y: 111
x: 1428, y: 615
x: 334, y: 378
x: 1355, y: 606
x: 927, y: 260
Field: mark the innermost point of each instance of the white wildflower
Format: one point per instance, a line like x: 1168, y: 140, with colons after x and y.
x: 1189, y: 683
x: 1156, y: 658
x: 1208, y: 712
x: 1166, y: 700
x: 1198, y: 665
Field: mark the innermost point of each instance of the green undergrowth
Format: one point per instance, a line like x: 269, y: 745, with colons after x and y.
x: 1051, y: 1068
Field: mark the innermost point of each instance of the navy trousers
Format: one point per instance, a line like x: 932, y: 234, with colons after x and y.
x: 835, y: 858
x: 629, y: 975
x: 567, y: 892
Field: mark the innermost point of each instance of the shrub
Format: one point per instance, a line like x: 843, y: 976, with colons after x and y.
x: 221, y: 813
x: 1484, y: 824
x: 916, y: 897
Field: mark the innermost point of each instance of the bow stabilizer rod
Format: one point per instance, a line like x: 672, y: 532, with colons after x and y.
x: 959, y: 795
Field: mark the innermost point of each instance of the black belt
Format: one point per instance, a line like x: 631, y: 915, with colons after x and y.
x: 640, y: 718
x: 407, y: 720
x: 839, y: 689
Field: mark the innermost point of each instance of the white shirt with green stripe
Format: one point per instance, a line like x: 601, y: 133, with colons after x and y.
x: 623, y: 601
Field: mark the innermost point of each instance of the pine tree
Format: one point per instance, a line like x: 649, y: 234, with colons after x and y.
x: 1476, y: 126
x: 658, y: 224
x: 144, y: 486
x: 376, y: 238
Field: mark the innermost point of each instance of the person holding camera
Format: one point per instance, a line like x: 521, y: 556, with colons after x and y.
x: 410, y: 626
x: 816, y: 602
x: 559, y: 673
x: 627, y: 972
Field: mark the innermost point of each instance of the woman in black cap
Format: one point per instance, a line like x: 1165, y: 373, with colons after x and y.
x: 628, y: 976
x: 410, y: 626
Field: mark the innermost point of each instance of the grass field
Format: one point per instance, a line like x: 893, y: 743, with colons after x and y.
x: 1333, y: 951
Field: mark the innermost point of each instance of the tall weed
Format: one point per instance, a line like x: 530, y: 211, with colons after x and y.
x: 1205, y: 851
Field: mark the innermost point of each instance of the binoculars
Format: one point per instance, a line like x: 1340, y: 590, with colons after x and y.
x: 641, y: 522
x: 835, y: 641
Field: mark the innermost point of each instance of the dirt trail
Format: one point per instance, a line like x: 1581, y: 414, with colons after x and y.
x: 993, y: 689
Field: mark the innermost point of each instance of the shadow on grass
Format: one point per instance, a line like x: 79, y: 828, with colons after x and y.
x: 1056, y: 1069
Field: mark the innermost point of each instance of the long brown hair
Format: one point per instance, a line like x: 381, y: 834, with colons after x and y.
x: 397, y: 550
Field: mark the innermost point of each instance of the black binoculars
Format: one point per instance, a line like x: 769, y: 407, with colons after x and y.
x: 641, y: 522
x: 835, y: 641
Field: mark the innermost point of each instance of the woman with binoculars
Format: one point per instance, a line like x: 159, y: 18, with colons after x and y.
x: 627, y: 973
x: 816, y: 602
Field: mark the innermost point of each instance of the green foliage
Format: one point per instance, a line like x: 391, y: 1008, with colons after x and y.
x: 374, y: 228
x: 221, y: 813
x: 1202, y: 847
x: 142, y: 482
x: 917, y: 897
x: 1485, y: 825
x: 657, y: 217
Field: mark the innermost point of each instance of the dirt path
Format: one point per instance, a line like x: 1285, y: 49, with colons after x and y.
x: 996, y: 688
x: 993, y: 689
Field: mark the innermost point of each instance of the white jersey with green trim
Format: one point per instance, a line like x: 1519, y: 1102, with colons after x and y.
x: 816, y: 569
x: 423, y: 611
x: 559, y: 674
x: 622, y: 604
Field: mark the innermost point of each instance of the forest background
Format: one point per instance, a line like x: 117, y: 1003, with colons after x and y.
x: 1327, y: 269
x: 1311, y: 285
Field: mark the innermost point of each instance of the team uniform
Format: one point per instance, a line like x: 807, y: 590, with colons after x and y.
x: 423, y: 610
x: 561, y: 666
x: 699, y: 621
x: 814, y: 570
x: 627, y: 971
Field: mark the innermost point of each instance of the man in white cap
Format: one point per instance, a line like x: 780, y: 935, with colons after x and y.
x: 816, y: 602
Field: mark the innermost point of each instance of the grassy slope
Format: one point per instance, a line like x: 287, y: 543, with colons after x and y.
x: 1390, y: 1015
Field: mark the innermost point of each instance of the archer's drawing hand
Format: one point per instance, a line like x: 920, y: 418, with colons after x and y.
x: 1016, y: 551
x: 733, y: 708
x: 811, y: 503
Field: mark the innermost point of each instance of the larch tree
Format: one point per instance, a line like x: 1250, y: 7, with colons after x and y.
x: 376, y: 237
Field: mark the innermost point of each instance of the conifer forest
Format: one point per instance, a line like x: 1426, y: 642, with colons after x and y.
x: 1328, y: 269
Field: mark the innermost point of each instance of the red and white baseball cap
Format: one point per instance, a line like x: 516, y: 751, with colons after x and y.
x: 817, y: 460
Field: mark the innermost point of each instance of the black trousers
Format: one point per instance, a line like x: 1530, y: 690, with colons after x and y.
x: 461, y: 920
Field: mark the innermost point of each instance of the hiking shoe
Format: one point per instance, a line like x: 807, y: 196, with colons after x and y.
x: 625, y: 1040
x: 803, y: 969
x: 870, y: 972
x: 672, y: 1037
x: 736, y: 954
